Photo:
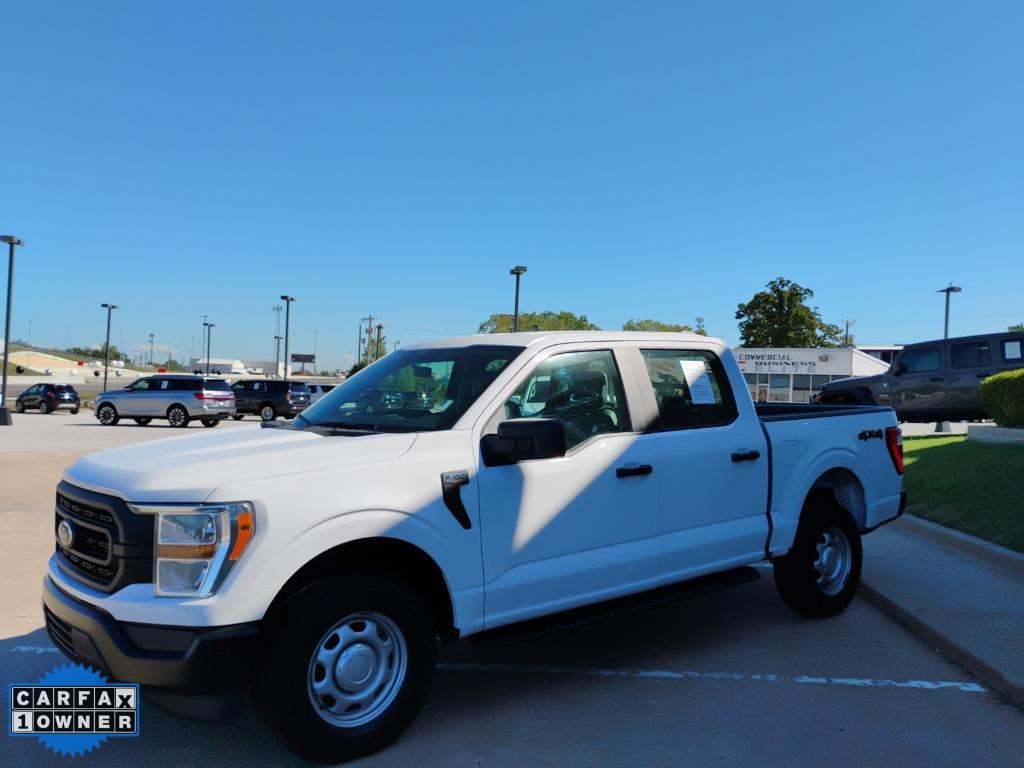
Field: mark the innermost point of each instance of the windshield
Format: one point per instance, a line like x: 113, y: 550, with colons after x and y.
x: 417, y: 390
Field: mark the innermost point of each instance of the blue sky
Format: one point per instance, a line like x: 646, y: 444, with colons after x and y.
x: 643, y: 159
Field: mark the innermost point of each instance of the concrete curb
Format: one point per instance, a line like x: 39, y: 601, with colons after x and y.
x: 969, y: 545
x: 1010, y: 690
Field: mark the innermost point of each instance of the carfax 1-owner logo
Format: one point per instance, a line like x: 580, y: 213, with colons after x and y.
x: 73, y: 709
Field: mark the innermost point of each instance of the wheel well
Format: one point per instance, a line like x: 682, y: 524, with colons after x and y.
x: 175, y: 405
x: 406, y: 560
x: 841, y: 487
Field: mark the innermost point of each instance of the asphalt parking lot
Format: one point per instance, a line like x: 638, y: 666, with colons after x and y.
x: 730, y: 678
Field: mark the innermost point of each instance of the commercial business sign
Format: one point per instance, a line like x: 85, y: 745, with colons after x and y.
x: 297, y: 358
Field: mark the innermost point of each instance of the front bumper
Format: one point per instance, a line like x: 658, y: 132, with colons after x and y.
x: 187, y: 659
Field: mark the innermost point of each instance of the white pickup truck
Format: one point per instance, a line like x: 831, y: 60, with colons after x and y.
x: 319, y: 562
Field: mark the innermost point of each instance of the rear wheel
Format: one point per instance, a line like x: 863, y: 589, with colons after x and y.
x: 210, y: 422
x: 177, y: 416
x: 347, y: 664
x: 74, y: 410
x: 820, y: 574
x: 107, y: 415
x: 142, y: 420
x: 268, y: 412
x: 44, y: 407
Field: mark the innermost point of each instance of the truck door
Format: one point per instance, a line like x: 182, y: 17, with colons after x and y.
x: 969, y: 363
x: 711, y: 458
x: 562, y: 532
x: 919, y: 384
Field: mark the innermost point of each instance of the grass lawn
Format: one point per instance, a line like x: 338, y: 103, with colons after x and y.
x: 977, y: 488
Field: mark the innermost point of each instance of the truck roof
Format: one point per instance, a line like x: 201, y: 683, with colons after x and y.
x: 541, y: 338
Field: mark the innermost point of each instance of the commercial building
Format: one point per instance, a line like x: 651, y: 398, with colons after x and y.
x: 791, y: 375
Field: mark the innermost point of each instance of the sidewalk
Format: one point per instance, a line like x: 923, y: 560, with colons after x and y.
x: 957, y: 593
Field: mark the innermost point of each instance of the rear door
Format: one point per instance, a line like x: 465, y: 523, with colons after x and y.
x: 711, y: 459
x: 918, y: 386
x: 157, y: 399
x: 969, y: 363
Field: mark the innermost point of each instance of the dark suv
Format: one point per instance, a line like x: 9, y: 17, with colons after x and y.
x: 270, y: 398
x: 934, y: 380
x: 48, y: 397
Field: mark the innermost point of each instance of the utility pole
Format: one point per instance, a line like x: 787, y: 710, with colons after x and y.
x: 369, y: 331
x: 359, y: 344
x: 379, y: 328
x: 315, y: 333
x: 846, y: 336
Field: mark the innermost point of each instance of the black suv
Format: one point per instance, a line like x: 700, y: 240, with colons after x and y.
x: 934, y: 380
x: 48, y: 397
x: 270, y: 398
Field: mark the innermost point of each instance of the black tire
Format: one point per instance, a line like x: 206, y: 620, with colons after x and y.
x: 44, y: 407
x: 19, y: 407
x: 238, y: 416
x: 809, y: 579
x: 177, y: 416
x: 305, y: 623
x: 107, y: 415
x: 74, y: 411
x: 267, y: 412
x: 142, y: 420
x: 210, y: 422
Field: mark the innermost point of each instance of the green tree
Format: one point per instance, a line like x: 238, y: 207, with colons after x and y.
x: 658, y: 325
x: 780, y: 317
x: 1017, y: 327
x: 542, y: 321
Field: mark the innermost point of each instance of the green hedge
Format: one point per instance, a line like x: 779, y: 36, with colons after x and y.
x: 1003, y: 398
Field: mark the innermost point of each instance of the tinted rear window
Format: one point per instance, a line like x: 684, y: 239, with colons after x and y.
x: 218, y: 385
x: 182, y: 385
x: 300, y: 387
x: 63, y: 388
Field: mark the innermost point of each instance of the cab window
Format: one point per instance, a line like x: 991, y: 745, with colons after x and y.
x: 921, y: 360
x: 690, y: 388
x: 971, y: 354
x: 583, y: 390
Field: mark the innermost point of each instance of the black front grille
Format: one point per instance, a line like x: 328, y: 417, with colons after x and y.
x: 111, y: 546
x: 60, y: 633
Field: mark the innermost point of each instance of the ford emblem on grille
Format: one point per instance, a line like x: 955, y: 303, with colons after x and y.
x: 65, y: 534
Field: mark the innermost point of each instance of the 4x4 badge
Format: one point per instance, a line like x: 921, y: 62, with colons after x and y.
x: 869, y: 434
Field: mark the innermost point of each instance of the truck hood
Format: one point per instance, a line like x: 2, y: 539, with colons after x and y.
x: 189, y: 468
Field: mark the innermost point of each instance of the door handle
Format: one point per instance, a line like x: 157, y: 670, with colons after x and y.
x: 935, y: 378
x: 633, y: 470
x: 746, y: 456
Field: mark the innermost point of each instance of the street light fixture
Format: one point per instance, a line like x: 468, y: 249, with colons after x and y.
x: 948, y: 290
x: 106, y: 347
x: 12, y: 241
x: 518, y: 271
x: 287, y: 321
x: 209, y: 338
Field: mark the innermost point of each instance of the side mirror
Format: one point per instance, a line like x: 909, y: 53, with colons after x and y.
x: 523, y: 440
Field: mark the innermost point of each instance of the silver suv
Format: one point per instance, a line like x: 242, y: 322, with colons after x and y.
x: 177, y: 398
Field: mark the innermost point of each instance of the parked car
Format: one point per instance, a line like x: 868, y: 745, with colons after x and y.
x: 270, y: 398
x: 320, y: 562
x: 316, y: 391
x: 48, y: 398
x: 179, y: 398
x: 934, y: 380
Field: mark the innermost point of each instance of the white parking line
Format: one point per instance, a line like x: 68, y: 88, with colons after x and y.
x: 857, y: 682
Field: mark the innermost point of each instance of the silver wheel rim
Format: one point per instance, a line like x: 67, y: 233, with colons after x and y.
x: 833, y: 560
x: 357, y: 669
x: 176, y: 417
x: 267, y: 414
x: 106, y: 414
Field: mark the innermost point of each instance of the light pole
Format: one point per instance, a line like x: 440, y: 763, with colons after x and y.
x: 379, y: 329
x: 948, y: 290
x: 12, y: 241
x: 315, y: 332
x: 106, y: 347
x: 518, y: 271
x: 277, y: 355
x: 209, y: 339
x: 287, y: 323
x: 846, y: 336
x: 359, y: 344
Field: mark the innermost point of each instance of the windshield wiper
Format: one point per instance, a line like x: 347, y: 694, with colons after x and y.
x: 350, y: 426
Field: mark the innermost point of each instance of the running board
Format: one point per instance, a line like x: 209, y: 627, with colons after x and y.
x: 588, y: 614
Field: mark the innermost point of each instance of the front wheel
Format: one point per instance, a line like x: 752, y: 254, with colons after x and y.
x: 19, y: 407
x: 177, y: 416
x: 210, y: 422
x: 347, y: 665
x: 820, y: 574
x: 107, y: 415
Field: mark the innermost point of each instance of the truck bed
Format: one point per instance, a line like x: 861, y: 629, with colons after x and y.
x: 791, y: 411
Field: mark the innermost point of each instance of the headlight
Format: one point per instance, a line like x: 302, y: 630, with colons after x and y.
x: 196, y: 548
